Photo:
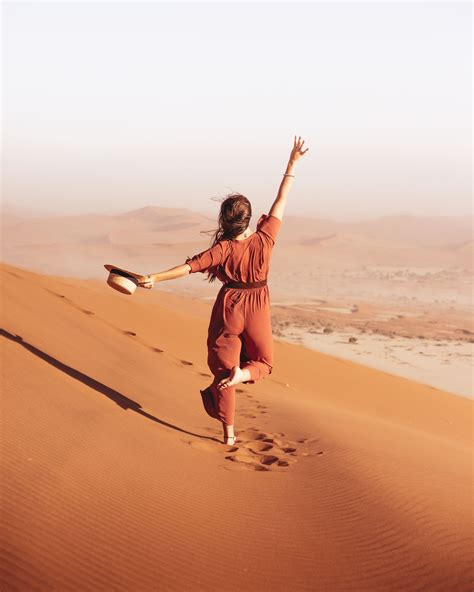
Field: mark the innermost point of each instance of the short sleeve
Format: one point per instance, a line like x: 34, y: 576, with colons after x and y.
x: 269, y: 225
x: 206, y: 259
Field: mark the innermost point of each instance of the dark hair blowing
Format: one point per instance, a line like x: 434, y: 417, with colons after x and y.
x: 234, y: 217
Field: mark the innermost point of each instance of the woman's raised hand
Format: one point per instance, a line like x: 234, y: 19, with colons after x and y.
x: 296, y: 151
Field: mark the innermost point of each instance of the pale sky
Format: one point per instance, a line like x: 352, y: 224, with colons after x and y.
x: 113, y: 106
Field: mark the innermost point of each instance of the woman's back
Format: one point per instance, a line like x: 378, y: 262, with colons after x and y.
x: 246, y: 260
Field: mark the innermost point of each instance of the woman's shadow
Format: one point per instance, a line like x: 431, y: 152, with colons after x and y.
x: 119, y: 399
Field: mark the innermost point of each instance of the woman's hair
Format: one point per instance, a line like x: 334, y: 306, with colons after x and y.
x: 234, y: 217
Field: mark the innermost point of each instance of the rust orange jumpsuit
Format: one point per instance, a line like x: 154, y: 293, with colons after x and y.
x: 240, y: 330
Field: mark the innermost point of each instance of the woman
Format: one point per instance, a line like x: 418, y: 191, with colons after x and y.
x: 239, y: 342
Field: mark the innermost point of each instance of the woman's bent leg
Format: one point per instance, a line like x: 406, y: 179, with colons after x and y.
x: 258, y: 344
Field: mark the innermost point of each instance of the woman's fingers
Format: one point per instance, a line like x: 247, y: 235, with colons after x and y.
x: 297, y: 143
x: 300, y: 147
x: 145, y: 281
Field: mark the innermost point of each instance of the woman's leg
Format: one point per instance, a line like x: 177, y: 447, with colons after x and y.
x: 223, y: 347
x: 257, y: 350
x: 209, y: 403
x: 224, y: 400
x: 212, y: 409
x: 223, y: 355
x: 258, y: 339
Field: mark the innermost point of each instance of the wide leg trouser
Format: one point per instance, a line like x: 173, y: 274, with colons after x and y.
x: 240, y: 334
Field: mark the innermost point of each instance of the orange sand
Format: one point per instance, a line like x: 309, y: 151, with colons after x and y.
x: 344, y: 478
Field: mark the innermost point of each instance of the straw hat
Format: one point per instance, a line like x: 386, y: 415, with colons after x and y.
x: 124, y: 281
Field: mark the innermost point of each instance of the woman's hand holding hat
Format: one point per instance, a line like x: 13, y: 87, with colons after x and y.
x: 145, y: 281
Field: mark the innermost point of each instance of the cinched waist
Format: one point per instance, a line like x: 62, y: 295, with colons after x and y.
x: 245, y: 285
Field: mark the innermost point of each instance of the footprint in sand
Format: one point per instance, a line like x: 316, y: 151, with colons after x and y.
x: 69, y: 301
x: 15, y: 275
x: 256, y: 450
x: 213, y: 431
x: 258, y: 447
x: 243, y: 459
x: 186, y: 363
x: 258, y: 460
x: 207, y: 445
x: 249, y: 412
x: 268, y: 459
x: 261, y: 409
x: 60, y: 296
x: 204, y: 374
x: 158, y: 350
x: 307, y: 440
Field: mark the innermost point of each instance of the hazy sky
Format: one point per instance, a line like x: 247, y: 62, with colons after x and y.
x: 117, y: 105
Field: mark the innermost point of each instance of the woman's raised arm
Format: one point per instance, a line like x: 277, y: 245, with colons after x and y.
x: 278, y: 206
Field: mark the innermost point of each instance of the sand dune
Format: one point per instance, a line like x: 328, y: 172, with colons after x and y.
x: 387, y: 238
x: 389, y: 258
x: 134, y: 228
x: 344, y: 477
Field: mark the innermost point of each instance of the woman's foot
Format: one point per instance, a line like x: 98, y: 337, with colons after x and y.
x: 230, y: 440
x: 237, y: 375
x: 229, y: 437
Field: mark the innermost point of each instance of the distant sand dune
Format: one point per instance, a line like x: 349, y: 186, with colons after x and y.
x: 425, y: 258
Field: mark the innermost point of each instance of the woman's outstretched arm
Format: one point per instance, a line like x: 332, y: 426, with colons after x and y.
x: 278, y: 206
x: 201, y: 262
x: 147, y: 281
